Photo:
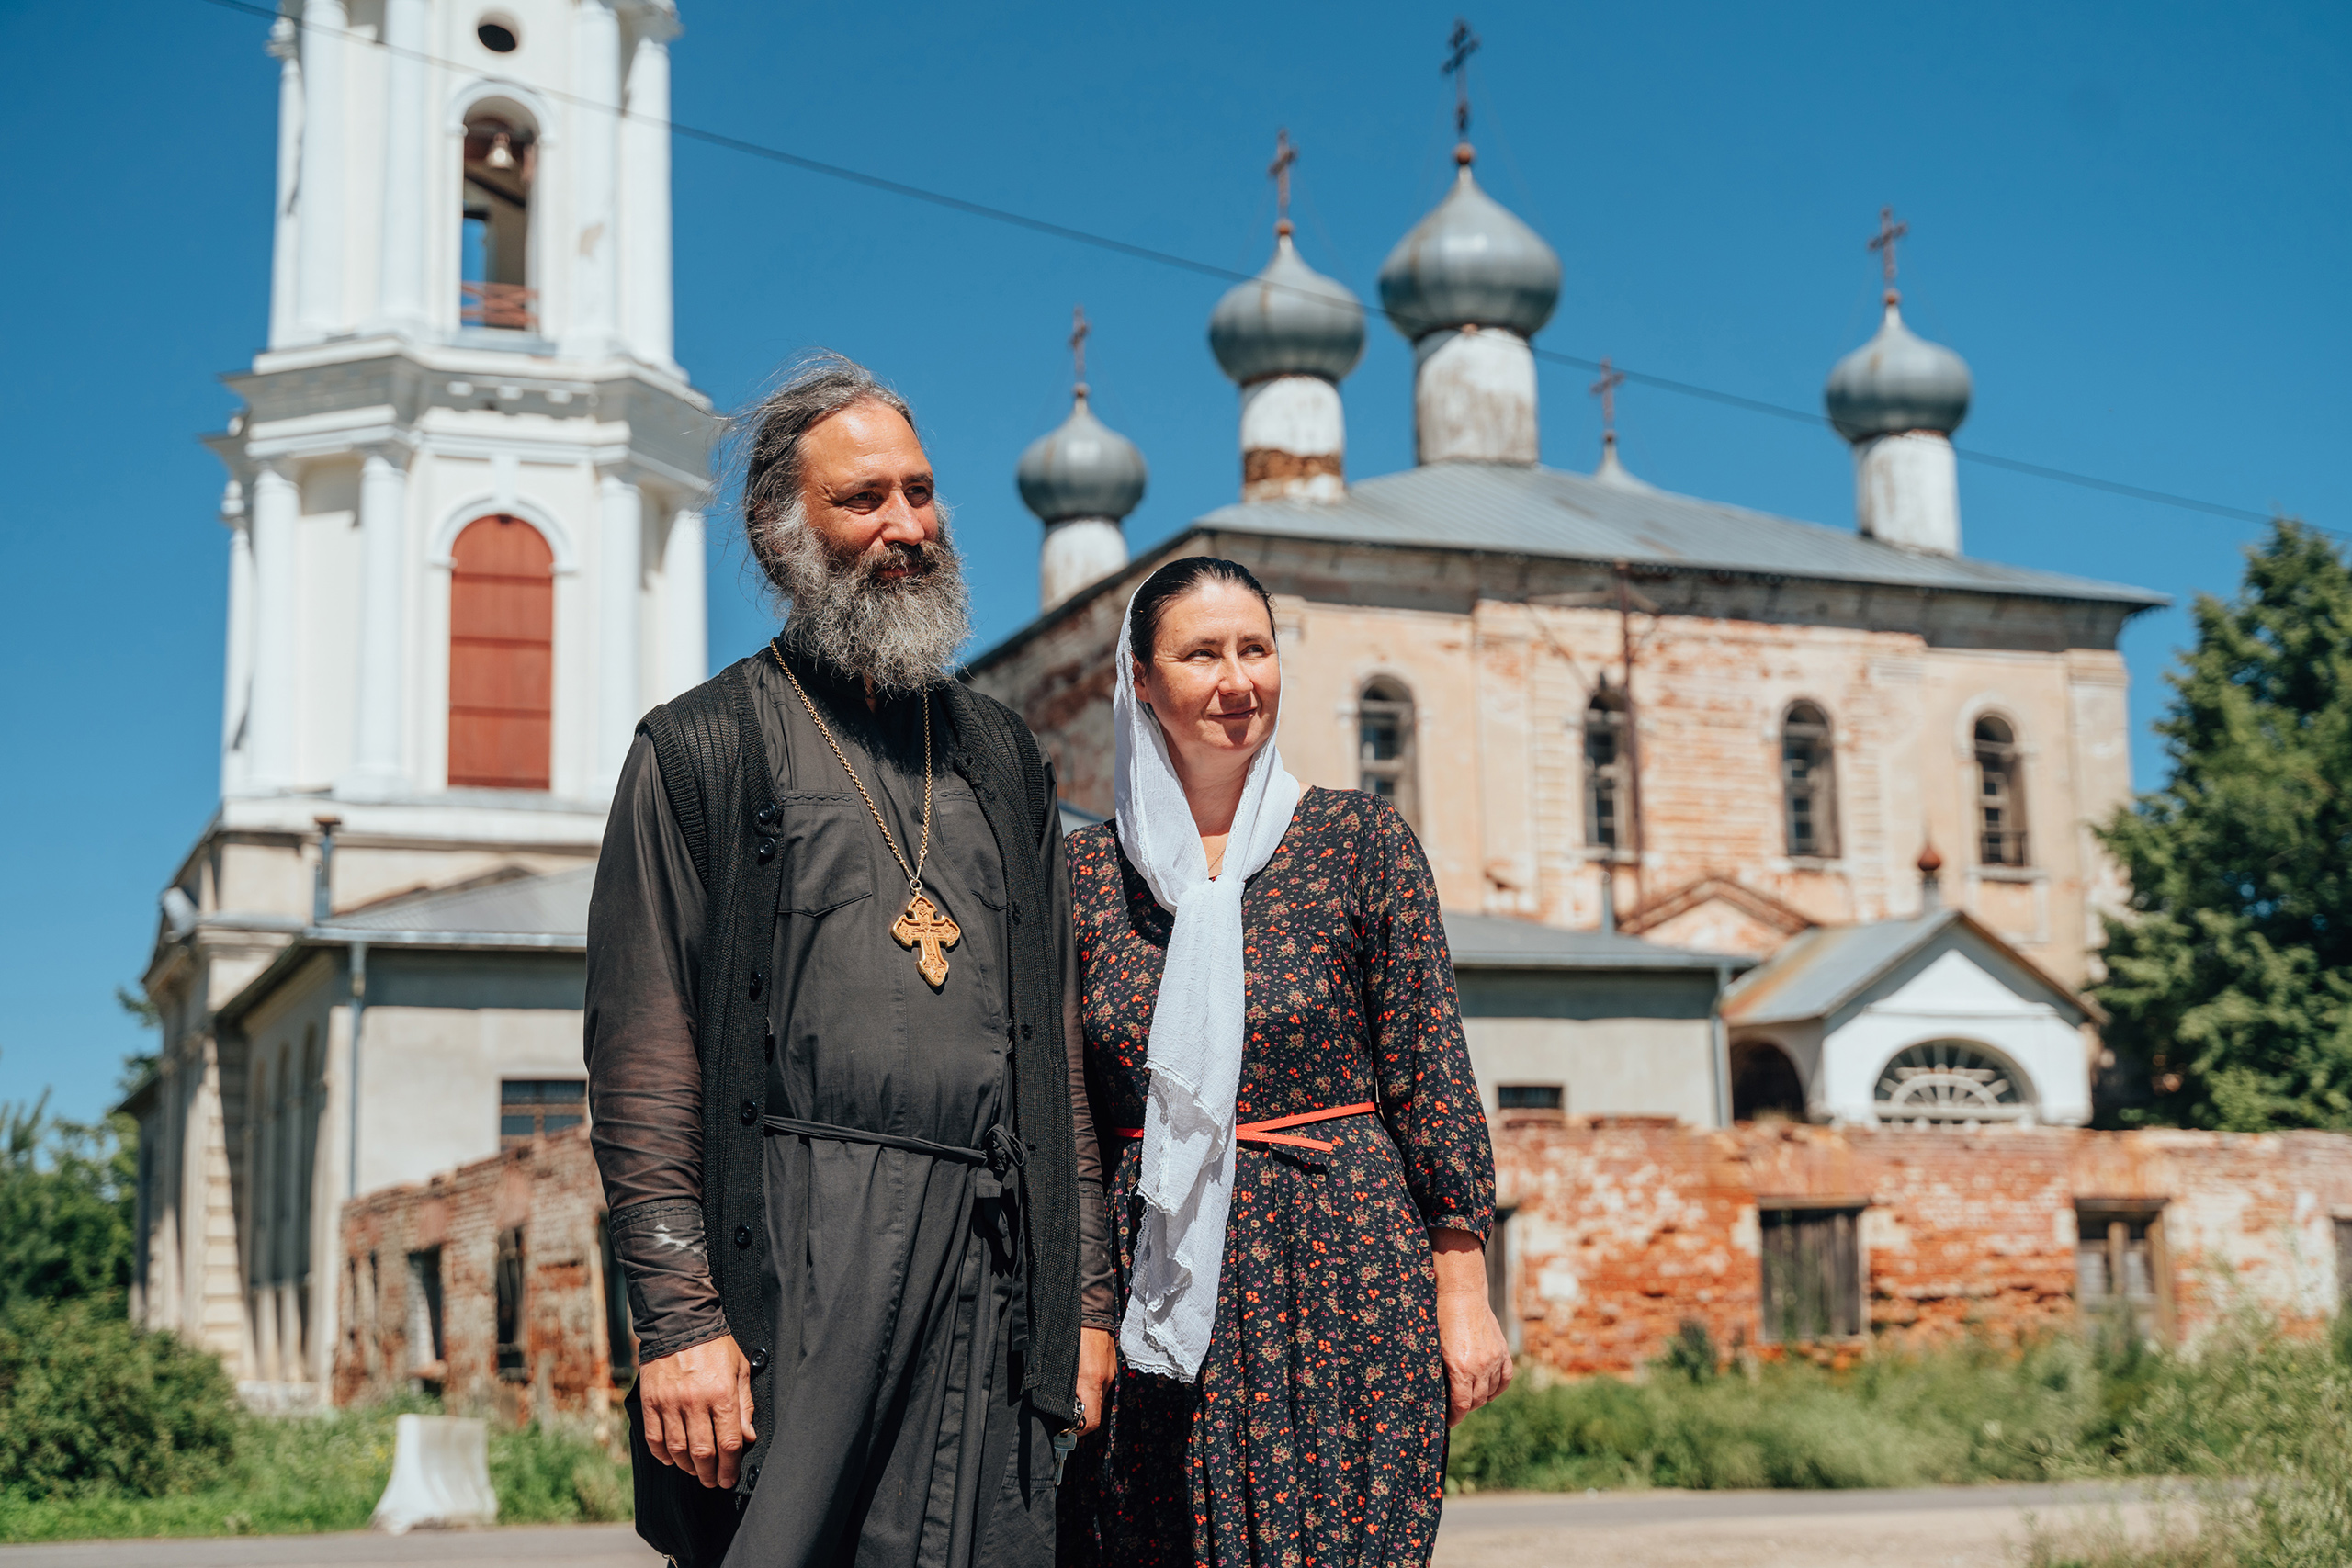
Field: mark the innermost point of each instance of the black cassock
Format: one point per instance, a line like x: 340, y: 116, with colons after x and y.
x: 902, y: 1439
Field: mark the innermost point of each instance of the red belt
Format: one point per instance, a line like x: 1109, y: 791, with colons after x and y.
x: 1264, y: 1132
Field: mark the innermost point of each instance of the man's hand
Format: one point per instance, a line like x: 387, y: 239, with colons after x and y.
x: 1098, y: 1364
x: 698, y: 1409
x: 1478, y: 1356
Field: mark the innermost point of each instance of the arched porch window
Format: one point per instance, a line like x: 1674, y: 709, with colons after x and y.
x: 1808, y: 782
x: 502, y: 655
x: 1949, y: 1083
x: 2000, y: 794
x: 1764, y: 1082
x: 494, y: 257
x: 1384, y: 747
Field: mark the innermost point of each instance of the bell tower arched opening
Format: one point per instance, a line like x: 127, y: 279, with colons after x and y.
x: 502, y: 655
x: 495, y: 252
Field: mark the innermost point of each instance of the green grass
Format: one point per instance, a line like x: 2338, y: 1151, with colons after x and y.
x: 296, y: 1474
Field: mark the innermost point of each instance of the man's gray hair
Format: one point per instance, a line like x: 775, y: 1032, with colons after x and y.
x: 814, y: 388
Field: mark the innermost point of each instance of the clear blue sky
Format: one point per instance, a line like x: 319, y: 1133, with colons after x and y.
x: 2131, y: 220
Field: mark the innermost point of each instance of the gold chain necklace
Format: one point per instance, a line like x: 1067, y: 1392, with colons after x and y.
x: 920, y: 926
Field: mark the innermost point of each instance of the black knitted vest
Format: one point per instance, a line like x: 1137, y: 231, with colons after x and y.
x: 721, y: 788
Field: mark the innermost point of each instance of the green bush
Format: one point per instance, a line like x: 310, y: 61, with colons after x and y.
x: 65, y: 1205
x: 89, y: 1403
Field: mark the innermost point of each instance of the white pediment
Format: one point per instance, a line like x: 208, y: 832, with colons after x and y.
x: 1956, y: 985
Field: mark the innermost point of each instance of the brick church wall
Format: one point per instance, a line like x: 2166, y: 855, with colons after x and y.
x: 1623, y: 1230
x: 548, y: 1192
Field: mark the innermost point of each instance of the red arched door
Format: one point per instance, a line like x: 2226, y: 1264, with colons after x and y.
x: 502, y: 655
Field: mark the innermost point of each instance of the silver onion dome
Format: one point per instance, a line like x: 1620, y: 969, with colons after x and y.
x: 1288, y: 320
x: 1080, y: 468
x: 1470, y: 263
x: 1896, y: 382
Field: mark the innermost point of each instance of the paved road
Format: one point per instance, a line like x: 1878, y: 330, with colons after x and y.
x: 1964, y: 1526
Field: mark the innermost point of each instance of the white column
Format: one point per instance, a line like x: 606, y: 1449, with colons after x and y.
x: 1293, y: 440
x: 403, y: 240
x: 621, y: 569
x: 286, y: 231
x: 1906, y: 490
x: 319, y: 297
x: 276, y: 504
x: 645, y: 183
x: 378, y: 711
x: 1078, y: 551
x: 686, y: 653
x: 236, y: 696
x: 1473, y: 397
x: 595, y: 155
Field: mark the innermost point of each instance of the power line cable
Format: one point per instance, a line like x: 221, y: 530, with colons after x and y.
x: 1209, y: 270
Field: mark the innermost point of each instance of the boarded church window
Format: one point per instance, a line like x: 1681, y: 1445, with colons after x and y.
x: 1813, y: 1274
x: 427, y: 1351
x: 2000, y: 794
x: 1604, y: 772
x: 1808, y: 779
x: 509, y: 1287
x: 1384, y: 747
x: 531, y: 1108
x: 2122, y: 1272
x: 502, y: 655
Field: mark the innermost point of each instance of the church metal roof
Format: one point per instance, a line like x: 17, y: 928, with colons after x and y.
x: 1509, y: 509
x: 1486, y: 942
x: 546, y: 909
x: 1828, y: 967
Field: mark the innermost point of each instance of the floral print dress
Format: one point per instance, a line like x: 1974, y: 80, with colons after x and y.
x: 1317, y: 1433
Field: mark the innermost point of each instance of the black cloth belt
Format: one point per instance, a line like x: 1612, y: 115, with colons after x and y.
x: 1003, y: 1152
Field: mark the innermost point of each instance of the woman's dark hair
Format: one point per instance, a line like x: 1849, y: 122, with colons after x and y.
x: 1171, y: 582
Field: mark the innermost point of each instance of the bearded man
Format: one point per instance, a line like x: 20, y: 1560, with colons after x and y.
x: 833, y: 1055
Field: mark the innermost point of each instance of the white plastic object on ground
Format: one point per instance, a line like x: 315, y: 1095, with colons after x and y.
x: 440, y: 1477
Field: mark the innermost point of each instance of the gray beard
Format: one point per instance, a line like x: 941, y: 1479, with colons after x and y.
x: 899, y: 636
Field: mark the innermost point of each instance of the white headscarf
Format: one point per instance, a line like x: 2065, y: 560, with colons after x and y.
x: 1196, y: 1025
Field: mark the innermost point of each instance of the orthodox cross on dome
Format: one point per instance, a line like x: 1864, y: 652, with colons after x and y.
x: 1606, y: 391
x: 1460, y: 44
x: 1889, y: 232
x: 1285, y: 154
x: 1080, y: 329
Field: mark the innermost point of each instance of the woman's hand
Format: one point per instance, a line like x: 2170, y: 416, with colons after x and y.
x: 1478, y: 1356
x: 1098, y: 1364
x: 698, y: 1409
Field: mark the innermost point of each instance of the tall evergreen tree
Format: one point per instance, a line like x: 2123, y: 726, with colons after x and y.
x: 2230, y: 984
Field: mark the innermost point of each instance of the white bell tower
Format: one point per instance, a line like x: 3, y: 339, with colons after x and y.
x: 466, y: 553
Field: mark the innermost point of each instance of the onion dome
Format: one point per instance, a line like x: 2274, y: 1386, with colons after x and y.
x: 1288, y: 320
x: 1896, y: 382
x: 1082, y: 468
x: 1470, y: 263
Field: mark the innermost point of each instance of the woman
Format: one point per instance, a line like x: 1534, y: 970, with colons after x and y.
x: 1305, y: 1182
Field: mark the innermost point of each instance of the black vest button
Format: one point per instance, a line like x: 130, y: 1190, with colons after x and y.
x: 767, y: 850
x: 760, y: 1359
x: 757, y: 985
x: 742, y: 1236
x: 751, y: 1111
x: 766, y: 816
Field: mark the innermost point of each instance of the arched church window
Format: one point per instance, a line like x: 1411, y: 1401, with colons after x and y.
x: 502, y: 655
x: 1384, y: 747
x: 307, y: 1104
x: 1951, y: 1083
x: 288, y: 1105
x: 2000, y: 794
x: 495, y: 256
x: 1808, y: 782
x: 1605, y: 794
x: 1765, y: 1083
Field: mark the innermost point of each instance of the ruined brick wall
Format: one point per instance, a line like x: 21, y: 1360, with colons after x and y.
x: 1625, y: 1229
x: 549, y: 1191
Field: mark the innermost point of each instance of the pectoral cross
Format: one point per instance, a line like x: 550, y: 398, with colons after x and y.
x: 1889, y: 231
x: 931, y: 933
